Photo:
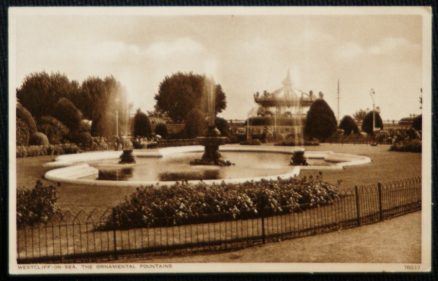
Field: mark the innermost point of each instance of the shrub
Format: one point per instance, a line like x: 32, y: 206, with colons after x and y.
x: 367, y: 124
x: 98, y: 143
x: 82, y: 138
x: 320, y: 121
x: 22, y: 133
x: 54, y: 129
x: 39, y: 139
x: 26, y: 116
x: 184, y: 203
x: 142, y: 125
x: 348, y: 125
x: 161, y: 129
x: 223, y: 126
x: 70, y: 148
x: 352, y: 138
x: 36, y: 205
x: 413, y: 145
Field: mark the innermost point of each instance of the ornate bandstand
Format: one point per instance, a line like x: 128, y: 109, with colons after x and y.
x: 280, y: 113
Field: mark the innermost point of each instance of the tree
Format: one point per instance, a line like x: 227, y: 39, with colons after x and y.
x: 142, y: 125
x: 40, y: 92
x: 348, y: 125
x: 66, y: 112
x: 196, y: 124
x: 320, y: 121
x: 359, y: 115
x: 367, y: 124
x: 100, y: 99
x: 417, y: 123
x: 180, y: 93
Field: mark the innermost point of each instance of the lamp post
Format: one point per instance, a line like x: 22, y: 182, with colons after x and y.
x: 372, y: 93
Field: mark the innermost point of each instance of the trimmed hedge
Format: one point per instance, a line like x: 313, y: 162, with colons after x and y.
x: 26, y: 116
x: 184, y: 203
x: 41, y: 150
x: 53, y: 128
x: 36, y: 205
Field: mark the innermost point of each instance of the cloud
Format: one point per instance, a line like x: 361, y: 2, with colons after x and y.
x: 166, y: 49
x: 388, y: 45
x: 349, y: 50
x: 111, y: 51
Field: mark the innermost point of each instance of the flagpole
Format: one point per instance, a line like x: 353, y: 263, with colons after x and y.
x: 372, y: 93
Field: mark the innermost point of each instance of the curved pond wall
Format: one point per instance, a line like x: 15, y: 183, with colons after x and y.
x: 72, y: 168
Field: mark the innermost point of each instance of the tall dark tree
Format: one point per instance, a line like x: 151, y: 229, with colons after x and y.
x: 100, y: 99
x: 66, y: 112
x: 142, y: 125
x: 348, y: 125
x: 320, y: 121
x: 417, y: 123
x: 40, y: 92
x: 367, y: 124
x: 181, y: 92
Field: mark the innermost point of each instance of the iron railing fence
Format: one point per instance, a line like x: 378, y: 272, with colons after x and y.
x: 76, y: 237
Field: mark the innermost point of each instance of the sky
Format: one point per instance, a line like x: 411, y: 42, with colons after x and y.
x: 243, y: 53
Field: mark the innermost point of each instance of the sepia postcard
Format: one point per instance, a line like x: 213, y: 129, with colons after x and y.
x: 219, y: 139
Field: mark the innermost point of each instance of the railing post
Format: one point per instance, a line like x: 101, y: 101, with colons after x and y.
x: 356, y: 193
x: 114, y: 235
x: 379, y: 190
x: 263, y: 225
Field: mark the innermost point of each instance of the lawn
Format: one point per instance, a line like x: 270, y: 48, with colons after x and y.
x: 386, y: 166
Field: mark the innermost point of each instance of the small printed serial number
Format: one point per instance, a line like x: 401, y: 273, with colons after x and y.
x: 412, y: 266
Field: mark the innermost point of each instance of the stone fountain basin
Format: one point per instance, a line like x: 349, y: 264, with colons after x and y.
x: 73, y: 168
x: 212, y: 140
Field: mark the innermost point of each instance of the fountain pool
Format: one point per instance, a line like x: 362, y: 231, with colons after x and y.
x: 167, y: 165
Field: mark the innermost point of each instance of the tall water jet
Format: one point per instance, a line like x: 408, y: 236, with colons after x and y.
x: 213, y: 139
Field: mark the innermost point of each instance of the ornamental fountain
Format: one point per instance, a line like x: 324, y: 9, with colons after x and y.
x: 213, y: 139
x: 127, y: 157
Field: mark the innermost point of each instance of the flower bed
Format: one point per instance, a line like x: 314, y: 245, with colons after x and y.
x: 36, y: 205
x: 184, y: 203
x: 407, y: 146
